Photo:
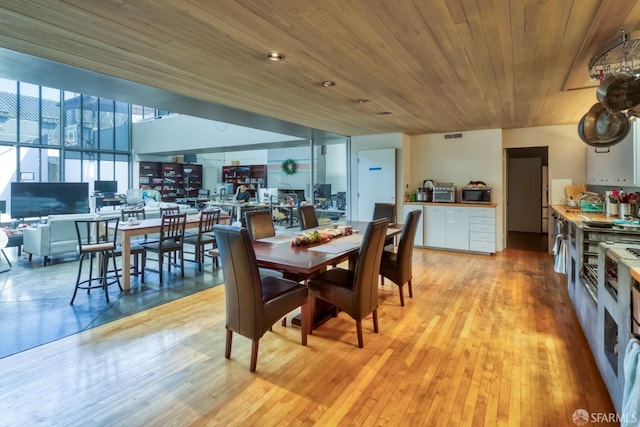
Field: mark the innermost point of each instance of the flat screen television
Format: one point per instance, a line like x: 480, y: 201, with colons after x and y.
x: 106, y: 187
x: 38, y: 199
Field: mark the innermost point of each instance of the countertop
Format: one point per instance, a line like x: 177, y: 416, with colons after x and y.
x: 575, y: 215
x: 465, y: 205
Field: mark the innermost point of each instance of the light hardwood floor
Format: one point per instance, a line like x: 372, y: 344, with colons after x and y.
x: 486, y: 340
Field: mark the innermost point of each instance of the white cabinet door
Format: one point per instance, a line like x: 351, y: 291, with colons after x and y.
x: 457, y: 228
x: 435, y: 229
x: 616, y: 165
x: 418, y: 241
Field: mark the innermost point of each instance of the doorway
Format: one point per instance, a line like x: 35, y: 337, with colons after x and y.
x: 376, y: 180
x: 527, y: 201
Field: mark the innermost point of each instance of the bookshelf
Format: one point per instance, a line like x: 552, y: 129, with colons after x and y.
x: 253, y: 176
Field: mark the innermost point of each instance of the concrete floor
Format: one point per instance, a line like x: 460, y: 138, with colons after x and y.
x: 34, y: 300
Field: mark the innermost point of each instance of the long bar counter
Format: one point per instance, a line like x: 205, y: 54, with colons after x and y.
x: 599, y: 281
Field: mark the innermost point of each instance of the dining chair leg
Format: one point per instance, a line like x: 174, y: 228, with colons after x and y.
x: 254, y: 355
x: 144, y: 264
x: 115, y: 269
x: 312, y: 309
x: 160, y: 258
x: 359, y: 332
x: 304, y: 321
x: 410, y: 289
x: 400, y: 289
x: 104, y: 266
x: 375, y: 320
x: 181, y: 263
x: 227, y: 346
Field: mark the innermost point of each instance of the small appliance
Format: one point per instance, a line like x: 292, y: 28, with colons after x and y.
x: 444, y: 192
x: 481, y: 195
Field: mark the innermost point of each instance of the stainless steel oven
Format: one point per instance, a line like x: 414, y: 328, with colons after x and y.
x: 444, y: 193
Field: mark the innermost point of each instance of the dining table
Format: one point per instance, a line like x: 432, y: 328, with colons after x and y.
x: 144, y: 227
x: 305, y: 261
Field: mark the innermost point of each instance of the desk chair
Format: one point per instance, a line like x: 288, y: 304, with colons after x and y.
x: 97, y: 241
x: 355, y: 291
x: 133, y: 197
x: 254, y: 303
x: 397, y: 266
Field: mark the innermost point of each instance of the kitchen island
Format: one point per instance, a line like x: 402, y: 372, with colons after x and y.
x: 601, y: 262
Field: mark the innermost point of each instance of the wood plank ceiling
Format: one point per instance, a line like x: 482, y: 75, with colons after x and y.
x: 435, y: 65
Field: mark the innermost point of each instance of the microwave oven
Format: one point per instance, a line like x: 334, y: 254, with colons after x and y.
x: 444, y: 194
x: 480, y: 195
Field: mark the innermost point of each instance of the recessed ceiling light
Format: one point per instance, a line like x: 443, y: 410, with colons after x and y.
x: 328, y: 83
x: 361, y: 101
x: 275, y: 57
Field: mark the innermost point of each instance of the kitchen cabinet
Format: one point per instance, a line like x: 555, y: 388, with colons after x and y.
x: 461, y: 228
x: 482, y: 230
x: 435, y: 226
x: 618, y: 165
x: 418, y: 241
x: 457, y: 228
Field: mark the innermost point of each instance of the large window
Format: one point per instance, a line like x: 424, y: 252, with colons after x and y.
x: 49, y: 135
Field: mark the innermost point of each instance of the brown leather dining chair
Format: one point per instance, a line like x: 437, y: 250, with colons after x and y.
x: 396, y: 266
x: 384, y: 210
x: 208, y: 219
x: 355, y: 291
x: 259, y: 224
x: 307, y: 216
x: 254, y: 303
x: 388, y: 211
x: 171, y: 241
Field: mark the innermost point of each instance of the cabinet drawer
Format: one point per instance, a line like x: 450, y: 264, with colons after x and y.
x: 482, y: 220
x: 482, y: 212
x: 489, y: 247
x: 484, y: 228
x: 482, y: 237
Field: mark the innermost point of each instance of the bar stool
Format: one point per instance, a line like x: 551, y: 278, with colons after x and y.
x: 97, y: 241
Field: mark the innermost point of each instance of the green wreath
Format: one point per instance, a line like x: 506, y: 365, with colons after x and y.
x: 289, y: 167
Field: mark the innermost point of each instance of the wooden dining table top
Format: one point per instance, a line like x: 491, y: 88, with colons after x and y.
x: 277, y: 253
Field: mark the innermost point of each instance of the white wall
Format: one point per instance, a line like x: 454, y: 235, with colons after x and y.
x: 179, y: 133
x: 277, y: 178
x: 477, y: 156
x: 567, y: 152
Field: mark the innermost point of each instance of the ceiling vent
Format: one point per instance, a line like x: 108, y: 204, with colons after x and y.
x: 452, y: 135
